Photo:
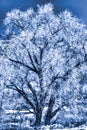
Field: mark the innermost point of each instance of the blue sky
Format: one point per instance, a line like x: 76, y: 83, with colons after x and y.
x: 78, y: 7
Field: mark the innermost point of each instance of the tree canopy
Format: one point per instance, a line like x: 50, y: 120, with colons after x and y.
x: 44, y: 60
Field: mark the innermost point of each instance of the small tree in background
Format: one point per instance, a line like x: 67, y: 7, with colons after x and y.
x: 44, y: 58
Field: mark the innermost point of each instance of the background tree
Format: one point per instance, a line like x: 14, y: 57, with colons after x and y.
x: 44, y: 57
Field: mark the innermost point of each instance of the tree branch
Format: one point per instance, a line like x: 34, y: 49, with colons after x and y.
x: 58, y: 109
x: 23, y: 64
x: 22, y: 93
x: 34, y: 94
x: 30, y: 57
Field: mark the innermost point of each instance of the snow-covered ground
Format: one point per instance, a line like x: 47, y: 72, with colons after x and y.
x: 56, y: 128
x: 23, y: 122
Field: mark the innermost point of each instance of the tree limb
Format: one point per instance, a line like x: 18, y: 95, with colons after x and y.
x: 23, y: 64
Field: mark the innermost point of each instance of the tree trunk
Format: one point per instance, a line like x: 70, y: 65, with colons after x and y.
x: 38, y: 117
x: 49, y: 111
x: 47, y: 119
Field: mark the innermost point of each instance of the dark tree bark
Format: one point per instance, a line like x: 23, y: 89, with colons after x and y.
x: 38, y: 117
x: 49, y: 111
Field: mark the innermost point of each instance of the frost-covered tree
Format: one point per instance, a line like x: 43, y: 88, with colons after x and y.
x: 44, y: 59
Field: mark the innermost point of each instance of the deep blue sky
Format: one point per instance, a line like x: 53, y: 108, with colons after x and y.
x: 78, y: 7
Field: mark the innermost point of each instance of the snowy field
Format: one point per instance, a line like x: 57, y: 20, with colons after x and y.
x: 21, y: 124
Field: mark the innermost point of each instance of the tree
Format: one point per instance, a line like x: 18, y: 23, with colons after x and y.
x: 43, y: 59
